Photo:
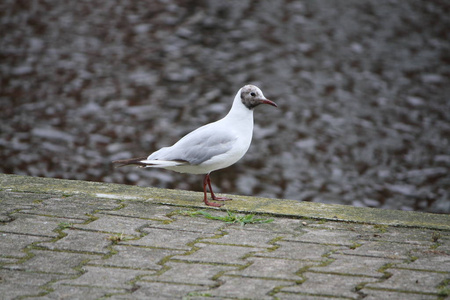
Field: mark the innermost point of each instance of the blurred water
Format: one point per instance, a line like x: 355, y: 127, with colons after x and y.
x: 362, y: 88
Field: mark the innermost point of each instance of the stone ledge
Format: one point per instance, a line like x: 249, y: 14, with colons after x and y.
x: 245, y: 204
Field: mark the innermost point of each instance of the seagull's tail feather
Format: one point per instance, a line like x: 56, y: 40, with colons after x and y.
x: 154, y: 163
x: 131, y: 161
x: 142, y: 162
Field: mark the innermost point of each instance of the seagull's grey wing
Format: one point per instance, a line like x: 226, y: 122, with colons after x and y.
x: 198, y: 146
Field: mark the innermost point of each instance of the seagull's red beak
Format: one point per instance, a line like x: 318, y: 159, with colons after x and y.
x: 267, y: 101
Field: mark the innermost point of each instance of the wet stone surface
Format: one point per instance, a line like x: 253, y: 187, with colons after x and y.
x: 362, y: 89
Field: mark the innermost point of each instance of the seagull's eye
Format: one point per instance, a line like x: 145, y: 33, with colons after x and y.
x: 252, y: 94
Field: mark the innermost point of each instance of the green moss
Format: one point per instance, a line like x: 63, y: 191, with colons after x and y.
x: 381, y: 228
x: 65, y: 225
x: 412, y: 259
x: 435, y: 236
x: 119, y: 237
x: 274, y: 243
x: 355, y: 245
x: 383, y: 269
x: 360, y: 286
x: 196, y: 295
x: 435, y: 246
x: 444, y: 289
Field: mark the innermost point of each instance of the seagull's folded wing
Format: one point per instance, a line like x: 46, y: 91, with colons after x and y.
x: 198, y: 146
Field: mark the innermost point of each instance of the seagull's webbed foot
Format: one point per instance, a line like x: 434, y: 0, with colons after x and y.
x: 212, y: 203
x: 214, y: 197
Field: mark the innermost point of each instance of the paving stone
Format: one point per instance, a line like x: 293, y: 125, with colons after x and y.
x: 355, y: 265
x: 63, y: 291
x: 351, y: 227
x: 22, y: 200
x: 421, y: 237
x: 410, y: 280
x: 443, y: 246
x: 444, y: 236
x: 81, y: 241
x: 53, y: 262
x: 247, y: 288
x: 426, y: 252
x: 192, y: 224
x: 142, y: 210
x: 163, y: 238
x: 298, y: 250
x: 325, y: 236
x: 225, y: 254
x: 71, y: 207
x: 380, y: 294
x: 329, y: 285
x: 240, y: 236
x: 4, y: 214
x: 8, y: 208
x: 273, y: 268
x: 161, y: 290
x: 191, y: 273
x: 135, y: 257
x: 8, y: 261
x: 390, y: 250
x: 97, y: 276
x: 118, y: 224
x: 12, y: 244
x: 35, y: 225
x: 278, y: 225
x: 430, y: 263
x: 302, y: 296
x: 15, y: 283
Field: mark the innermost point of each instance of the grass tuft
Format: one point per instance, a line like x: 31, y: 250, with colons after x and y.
x: 229, y: 218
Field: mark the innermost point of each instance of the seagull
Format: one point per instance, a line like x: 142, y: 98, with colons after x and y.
x: 211, y: 147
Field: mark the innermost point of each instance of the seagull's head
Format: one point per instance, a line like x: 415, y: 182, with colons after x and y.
x: 252, y: 96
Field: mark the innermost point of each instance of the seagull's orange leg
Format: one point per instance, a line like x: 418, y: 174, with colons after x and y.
x: 208, y: 180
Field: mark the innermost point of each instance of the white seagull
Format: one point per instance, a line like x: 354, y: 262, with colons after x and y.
x: 211, y: 147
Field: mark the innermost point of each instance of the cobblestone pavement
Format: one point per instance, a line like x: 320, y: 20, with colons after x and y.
x: 57, y: 245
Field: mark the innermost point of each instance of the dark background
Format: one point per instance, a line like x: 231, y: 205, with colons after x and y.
x: 362, y: 86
